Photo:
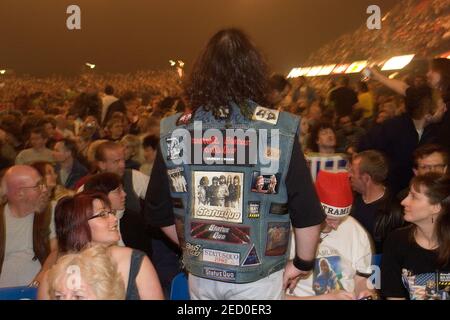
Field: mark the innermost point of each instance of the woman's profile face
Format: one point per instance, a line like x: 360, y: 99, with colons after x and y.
x: 417, y: 206
x: 103, y: 224
x: 117, y: 198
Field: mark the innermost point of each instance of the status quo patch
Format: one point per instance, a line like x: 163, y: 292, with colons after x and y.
x: 218, y: 195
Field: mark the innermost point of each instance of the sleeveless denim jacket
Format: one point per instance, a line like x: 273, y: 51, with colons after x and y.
x: 229, y: 195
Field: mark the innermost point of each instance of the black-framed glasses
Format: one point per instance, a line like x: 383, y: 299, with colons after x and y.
x: 40, y: 184
x: 103, y: 214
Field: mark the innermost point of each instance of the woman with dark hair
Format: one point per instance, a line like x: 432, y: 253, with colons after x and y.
x: 55, y: 189
x: 86, y: 219
x: 131, y: 224
x: 420, y: 253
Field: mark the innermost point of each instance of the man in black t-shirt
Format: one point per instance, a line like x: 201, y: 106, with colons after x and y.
x: 343, y: 98
x: 373, y: 206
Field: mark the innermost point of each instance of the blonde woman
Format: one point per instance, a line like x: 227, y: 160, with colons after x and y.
x: 88, y: 275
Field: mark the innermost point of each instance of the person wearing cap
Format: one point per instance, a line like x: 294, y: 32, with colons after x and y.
x: 343, y: 258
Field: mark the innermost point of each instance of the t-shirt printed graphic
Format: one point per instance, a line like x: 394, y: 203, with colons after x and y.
x: 326, y: 276
x: 427, y: 286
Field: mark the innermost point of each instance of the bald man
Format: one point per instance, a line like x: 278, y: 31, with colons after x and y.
x: 27, y: 232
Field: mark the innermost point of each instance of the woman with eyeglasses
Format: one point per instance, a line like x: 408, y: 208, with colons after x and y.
x: 416, y: 259
x: 86, y: 219
x: 131, y: 224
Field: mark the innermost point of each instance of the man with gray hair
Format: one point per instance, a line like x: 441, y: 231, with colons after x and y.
x: 27, y: 232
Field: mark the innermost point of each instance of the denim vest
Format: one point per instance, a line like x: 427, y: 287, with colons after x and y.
x: 232, y: 218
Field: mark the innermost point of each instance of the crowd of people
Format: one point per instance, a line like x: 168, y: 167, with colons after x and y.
x: 419, y: 27
x: 95, y: 206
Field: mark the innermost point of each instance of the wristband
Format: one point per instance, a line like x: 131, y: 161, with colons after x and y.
x: 303, y: 265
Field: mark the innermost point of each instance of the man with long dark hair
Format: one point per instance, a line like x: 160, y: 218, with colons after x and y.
x: 227, y: 90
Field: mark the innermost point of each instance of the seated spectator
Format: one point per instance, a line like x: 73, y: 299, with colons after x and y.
x: 427, y: 158
x: 38, y: 151
x: 115, y: 129
x: 131, y: 224
x: 374, y: 207
x: 68, y: 167
x: 416, y: 259
x: 55, y: 190
x: 343, y: 259
x: 99, y: 278
x: 131, y: 146
x: 348, y: 134
x: 27, y: 232
x: 150, y: 145
x: 322, y: 147
x: 87, y: 219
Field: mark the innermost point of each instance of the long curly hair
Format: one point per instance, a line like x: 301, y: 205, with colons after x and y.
x: 230, y: 69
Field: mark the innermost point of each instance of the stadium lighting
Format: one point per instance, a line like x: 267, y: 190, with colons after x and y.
x: 356, y: 67
x: 90, y: 65
x: 397, y: 63
x: 172, y: 63
x: 314, y: 71
x: 2, y: 71
x: 326, y: 70
x: 392, y: 76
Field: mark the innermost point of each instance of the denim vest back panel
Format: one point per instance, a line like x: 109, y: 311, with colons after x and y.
x: 232, y: 219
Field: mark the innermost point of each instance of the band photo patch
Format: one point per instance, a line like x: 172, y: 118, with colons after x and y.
x: 218, y: 196
x: 221, y: 257
x: 177, y: 180
x: 219, y: 274
x: 253, y: 209
x: 175, y: 147
x: 252, y: 258
x: 266, y: 115
x: 220, y: 232
x: 277, y: 238
x: 265, y: 183
x: 279, y: 208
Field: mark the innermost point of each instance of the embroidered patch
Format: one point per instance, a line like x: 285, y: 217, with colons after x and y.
x: 219, y: 274
x: 253, y: 209
x: 266, y: 115
x: 220, y: 232
x: 177, y: 180
x: 194, y: 250
x: 184, y: 119
x: 221, y: 257
x: 175, y: 147
x: 279, y: 208
x: 277, y: 238
x: 177, y: 203
x: 265, y: 183
x: 252, y: 258
x: 218, y: 195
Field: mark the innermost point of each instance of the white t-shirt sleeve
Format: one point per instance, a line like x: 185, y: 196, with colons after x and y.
x: 140, y: 183
x: 362, y: 258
